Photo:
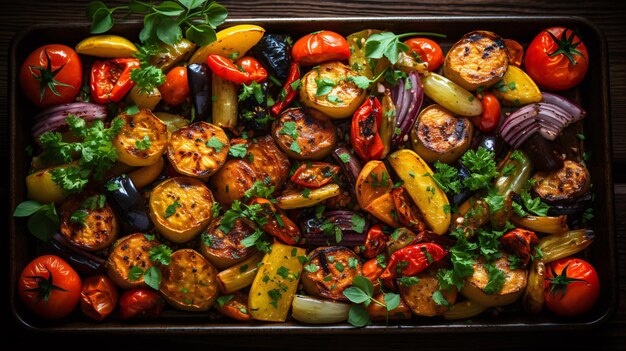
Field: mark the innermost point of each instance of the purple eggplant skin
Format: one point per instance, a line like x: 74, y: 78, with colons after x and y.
x: 544, y: 154
x: 312, y: 229
x: 255, y: 114
x: 84, y: 262
x: 128, y: 204
x: 461, y: 197
x: 274, y: 52
x: 199, y: 80
x: 352, y: 168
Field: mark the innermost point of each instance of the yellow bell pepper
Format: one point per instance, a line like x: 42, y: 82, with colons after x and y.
x: 109, y: 46
x: 236, y: 39
x: 517, y: 88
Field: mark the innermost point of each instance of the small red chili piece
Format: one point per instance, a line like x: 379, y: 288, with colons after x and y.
x: 518, y: 242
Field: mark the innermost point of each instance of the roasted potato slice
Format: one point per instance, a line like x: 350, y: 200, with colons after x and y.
x: 419, y: 296
x: 304, y: 134
x: 226, y: 249
x: 439, y: 135
x: 567, y: 183
x: 479, y: 59
x: 142, y: 139
x: 88, y: 221
x: 514, y: 283
x: 328, y: 272
x: 269, y: 161
x: 128, y: 252
x: 181, y: 208
x: 327, y: 89
x: 198, y: 150
x: 232, y: 181
x: 189, y: 282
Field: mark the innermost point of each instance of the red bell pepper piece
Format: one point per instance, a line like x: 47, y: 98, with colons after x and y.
x: 406, y: 210
x: 290, y: 93
x: 110, y: 80
x: 245, y: 71
x: 278, y: 224
x: 364, y: 135
x: 411, y: 260
x: 518, y: 242
x: 375, y: 242
x: 314, y: 174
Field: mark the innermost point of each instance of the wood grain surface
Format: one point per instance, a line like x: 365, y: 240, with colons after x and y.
x: 609, y: 16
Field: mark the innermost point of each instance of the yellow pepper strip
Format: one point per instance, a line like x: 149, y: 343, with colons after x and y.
x: 240, y: 275
x: 109, y: 46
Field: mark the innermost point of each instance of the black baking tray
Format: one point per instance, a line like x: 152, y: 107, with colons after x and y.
x: 592, y: 95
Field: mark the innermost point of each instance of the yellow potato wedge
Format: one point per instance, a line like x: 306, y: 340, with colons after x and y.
x: 108, y: 46
x: 237, y: 39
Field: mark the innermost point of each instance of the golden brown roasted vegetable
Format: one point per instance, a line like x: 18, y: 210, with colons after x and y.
x: 567, y: 183
x: 534, y: 294
x: 561, y: 245
x: 226, y: 249
x: 232, y: 181
x: 127, y: 253
x: 88, y: 221
x: 142, y: 140
x: 329, y: 271
x: 419, y: 296
x: 304, y: 134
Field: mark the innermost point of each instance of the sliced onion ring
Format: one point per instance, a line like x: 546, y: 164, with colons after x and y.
x: 53, y: 119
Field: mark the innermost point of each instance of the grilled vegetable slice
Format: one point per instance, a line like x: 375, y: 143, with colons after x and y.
x: 328, y: 89
x: 198, y: 150
x: 419, y: 296
x: 278, y: 224
x: 373, y: 181
x: 304, y: 134
x: 240, y: 275
x: 329, y: 272
x: 418, y: 181
x: 128, y: 259
x: 142, y: 139
x: 234, y: 306
x: 567, y: 183
x: 224, y: 106
x: 146, y: 175
x: 232, y: 40
x: 451, y: 95
x: 464, y: 310
x: 380, y: 313
x: 232, y: 181
x: 189, y: 282
x: 439, y: 135
x: 478, y: 288
x: 181, y: 208
x: 274, y: 51
x: 145, y: 100
x: 479, y: 59
x: 226, y: 249
x: 275, y: 284
x: 268, y: 161
x: 170, y: 55
x: 88, y: 221
x: 312, y: 310
x: 561, y: 245
x: 300, y: 199
x: 110, y: 46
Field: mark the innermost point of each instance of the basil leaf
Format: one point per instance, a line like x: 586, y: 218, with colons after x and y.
x: 27, y: 208
x: 102, y: 21
x: 152, y: 277
x: 356, y: 295
x: 201, y: 34
x: 358, y: 316
x: 168, y: 31
x: 215, y: 14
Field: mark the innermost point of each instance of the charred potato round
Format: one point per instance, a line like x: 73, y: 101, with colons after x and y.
x: 225, y: 249
x: 343, y: 96
x: 88, y: 221
x: 232, y: 181
x: 567, y: 183
x: 269, y: 161
x: 142, y: 140
x: 189, y: 282
x: 181, y: 208
x: 514, y: 283
x: 198, y: 150
x: 419, y: 296
x: 128, y: 252
x: 479, y: 59
x: 304, y: 134
x: 439, y: 135
x: 329, y: 272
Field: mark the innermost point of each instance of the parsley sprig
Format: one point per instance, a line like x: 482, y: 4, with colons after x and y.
x: 361, y: 294
x: 388, y: 44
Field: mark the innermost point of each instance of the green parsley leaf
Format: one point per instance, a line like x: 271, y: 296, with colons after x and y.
x: 222, y: 300
x: 283, y: 272
x: 482, y: 165
x: 252, y: 238
x: 334, y: 99
x: 254, y: 89
x: 446, y: 177
x: 259, y: 189
x: 535, y: 205
x: 171, y: 209
x: 112, y: 186
x: 358, y: 223
x: 275, y: 295
x: 408, y: 281
x: 339, y: 266
x: 296, y: 84
x: 148, y: 78
x: 134, y: 273
x: 79, y: 216
x: 289, y: 128
x: 496, y: 279
x: 312, y: 268
x: 439, y: 299
x: 360, y: 81
x: 161, y: 254
x: 143, y: 144
x: 295, y: 147
x: 388, y: 44
x: 215, y: 143
x: 238, y: 150
x: 324, y: 86
x: 306, y: 192
x: 152, y: 277
x: 345, y: 158
x: 353, y: 262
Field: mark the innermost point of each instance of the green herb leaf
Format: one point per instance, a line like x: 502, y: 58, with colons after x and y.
x: 171, y: 209
x: 345, y: 158
x: 388, y: 44
x: 295, y: 147
x: 27, y: 208
x: 222, y: 300
x: 252, y: 238
x: 364, y: 284
x: 147, y: 78
x: 311, y: 268
x: 238, y: 150
x: 392, y: 300
x: 152, y: 277
x: 79, y: 216
x: 439, y: 299
x: 324, y: 86
x: 161, y: 254
x: 358, y: 316
x: 535, y: 206
x: 144, y: 143
x: 254, y: 89
x: 358, y: 223
x: 360, y: 81
x: 356, y: 295
x: 134, y: 273
x: 289, y: 128
x: 496, y: 279
x: 215, y: 143
x: 283, y: 272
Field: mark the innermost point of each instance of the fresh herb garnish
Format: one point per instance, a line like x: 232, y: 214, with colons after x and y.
x: 143, y: 144
x: 388, y: 44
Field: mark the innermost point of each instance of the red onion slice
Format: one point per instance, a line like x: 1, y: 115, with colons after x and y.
x: 567, y: 105
x: 53, y: 119
x: 408, y: 104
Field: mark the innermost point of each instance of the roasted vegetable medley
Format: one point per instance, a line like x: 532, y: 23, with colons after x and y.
x: 319, y: 178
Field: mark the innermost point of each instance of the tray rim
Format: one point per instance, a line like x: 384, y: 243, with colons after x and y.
x: 269, y: 329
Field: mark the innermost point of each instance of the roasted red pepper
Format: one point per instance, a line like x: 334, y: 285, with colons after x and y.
x: 518, y: 242
x: 110, y: 79
x: 410, y: 260
x: 289, y: 92
x: 98, y: 297
x: 372, y: 270
x: 375, y: 242
x: 406, y: 210
x: 364, y: 135
x: 245, y: 71
x: 278, y: 224
x: 489, y: 120
x: 142, y: 302
x: 314, y: 174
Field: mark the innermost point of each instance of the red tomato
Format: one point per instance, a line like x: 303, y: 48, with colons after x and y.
x: 429, y: 51
x: 572, y: 286
x: 110, y: 80
x: 318, y: 47
x: 98, y: 297
x: 247, y: 69
x: 490, y: 118
x: 314, y: 174
x: 557, y: 59
x: 140, y: 302
x: 49, y: 286
x: 375, y: 242
x: 51, y: 75
x: 175, y: 90
x: 364, y: 136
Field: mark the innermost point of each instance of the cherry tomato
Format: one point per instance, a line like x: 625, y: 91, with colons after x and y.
x: 375, y: 242
x: 372, y: 271
x: 571, y: 285
x: 140, y: 302
x: 411, y: 260
x: 98, y: 297
x: 314, y: 174
x: 429, y: 51
x: 246, y: 70
x: 364, y: 136
x: 515, y: 52
x: 318, y: 47
x: 175, y: 90
x: 489, y: 120
x: 110, y: 80
x: 51, y: 75
x: 557, y: 59
x: 49, y: 286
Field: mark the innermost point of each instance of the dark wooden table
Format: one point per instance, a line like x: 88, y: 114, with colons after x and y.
x: 608, y: 15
